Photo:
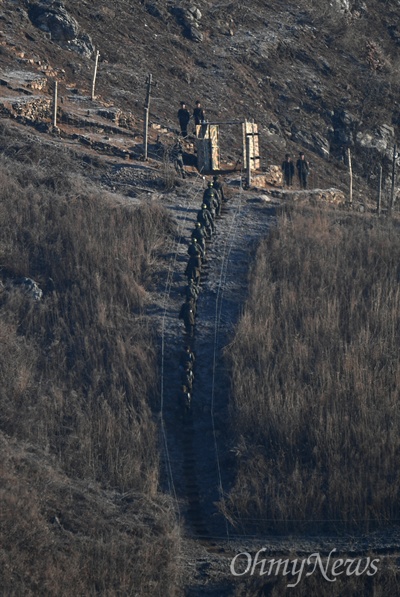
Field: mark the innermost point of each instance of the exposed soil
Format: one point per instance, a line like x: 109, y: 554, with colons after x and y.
x: 198, y: 458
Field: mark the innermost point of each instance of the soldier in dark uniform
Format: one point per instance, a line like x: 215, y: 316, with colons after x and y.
x: 210, y: 198
x: 219, y: 187
x: 217, y: 203
x: 185, y: 400
x: 208, y: 191
x: 303, y: 170
x: 288, y: 170
x: 193, y: 268
x: 196, y: 249
x: 192, y: 290
x: 193, y: 249
x: 211, y: 204
x: 187, y: 377
x: 206, y: 220
x: 183, y: 117
x: 193, y: 304
x: 200, y: 236
x: 177, y: 158
x: 187, y: 357
x: 187, y: 315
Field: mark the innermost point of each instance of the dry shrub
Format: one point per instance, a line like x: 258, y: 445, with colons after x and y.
x: 316, y: 377
x: 93, y: 259
x: 62, y: 537
x: 79, y: 372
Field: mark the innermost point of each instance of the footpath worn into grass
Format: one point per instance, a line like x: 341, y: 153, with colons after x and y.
x: 199, y: 458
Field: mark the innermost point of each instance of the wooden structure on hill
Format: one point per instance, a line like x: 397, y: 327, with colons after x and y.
x: 208, y: 151
x: 251, y: 145
x: 207, y: 146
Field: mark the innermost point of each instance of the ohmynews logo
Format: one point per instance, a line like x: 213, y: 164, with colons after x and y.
x: 244, y: 563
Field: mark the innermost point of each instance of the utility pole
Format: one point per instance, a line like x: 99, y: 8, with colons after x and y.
x: 146, y: 115
x: 351, y: 176
x: 379, y: 205
x: 95, y: 74
x: 393, y: 178
x: 55, y: 101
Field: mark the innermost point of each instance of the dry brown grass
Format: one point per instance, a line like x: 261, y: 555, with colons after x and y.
x: 79, y: 371
x: 385, y: 582
x: 316, y: 377
x: 61, y: 537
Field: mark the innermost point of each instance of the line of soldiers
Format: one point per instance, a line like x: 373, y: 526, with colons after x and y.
x: 210, y: 210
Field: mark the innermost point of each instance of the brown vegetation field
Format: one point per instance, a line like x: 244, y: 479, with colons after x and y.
x: 320, y: 581
x: 81, y: 509
x: 316, y: 377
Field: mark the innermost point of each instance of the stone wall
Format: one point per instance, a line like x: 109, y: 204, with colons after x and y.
x: 314, y: 196
x: 272, y: 176
x: 29, y: 109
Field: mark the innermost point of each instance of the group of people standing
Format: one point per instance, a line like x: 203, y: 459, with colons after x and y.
x: 204, y: 230
x: 302, y: 167
x: 184, y: 117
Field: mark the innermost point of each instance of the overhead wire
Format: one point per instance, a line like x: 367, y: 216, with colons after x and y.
x: 218, y: 307
x: 217, y: 318
x: 167, y: 291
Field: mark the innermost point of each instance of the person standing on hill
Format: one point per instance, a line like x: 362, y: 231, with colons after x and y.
x: 303, y: 170
x: 183, y: 117
x: 198, y: 114
x: 288, y: 170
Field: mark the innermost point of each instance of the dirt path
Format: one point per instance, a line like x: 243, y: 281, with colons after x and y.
x: 197, y: 455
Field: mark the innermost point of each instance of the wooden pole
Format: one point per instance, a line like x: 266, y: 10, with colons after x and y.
x: 146, y: 115
x: 351, y: 176
x: 248, y: 161
x: 55, y: 101
x: 393, y: 178
x: 96, y: 62
x: 145, y: 131
x: 379, y: 206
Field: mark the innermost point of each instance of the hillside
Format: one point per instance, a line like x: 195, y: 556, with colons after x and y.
x: 102, y: 478
x: 318, y: 78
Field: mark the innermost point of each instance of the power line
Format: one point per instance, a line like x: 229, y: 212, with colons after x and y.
x: 167, y: 292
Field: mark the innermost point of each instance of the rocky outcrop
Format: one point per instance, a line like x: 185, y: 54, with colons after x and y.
x: 29, y: 287
x: 344, y: 126
x: 53, y: 18
x: 189, y: 19
x: 382, y: 139
x: 313, y: 141
x: 354, y: 8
